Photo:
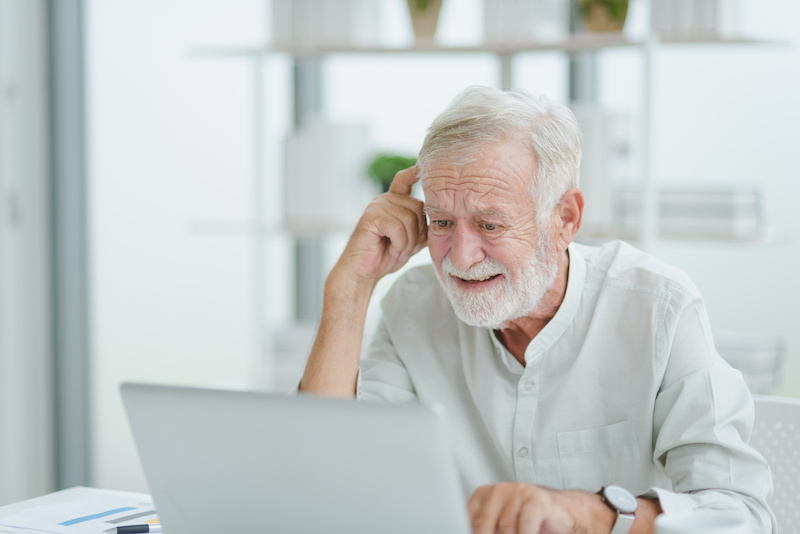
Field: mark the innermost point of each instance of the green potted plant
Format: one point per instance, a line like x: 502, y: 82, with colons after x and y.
x: 385, y: 165
x: 603, y: 16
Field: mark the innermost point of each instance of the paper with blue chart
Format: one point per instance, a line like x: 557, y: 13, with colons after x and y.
x: 92, y: 515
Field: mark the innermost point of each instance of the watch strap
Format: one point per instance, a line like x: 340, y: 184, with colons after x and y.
x: 623, y: 523
x: 625, y: 519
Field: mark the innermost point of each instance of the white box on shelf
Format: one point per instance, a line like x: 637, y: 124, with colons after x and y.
x: 309, y: 23
x: 364, y: 22
x: 661, y: 17
x: 687, y: 19
x: 326, y: 183
x: 605, y: 162
x: 716, y: 19
x: 728, y: 21
x: 330, y: 22
x: 705, y: 12
x: 301, y: 26
x: 281, y: 23
x: 684, y: 15
x: 516, y: 21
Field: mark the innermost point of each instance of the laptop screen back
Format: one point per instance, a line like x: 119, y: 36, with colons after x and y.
x: 232, y: 461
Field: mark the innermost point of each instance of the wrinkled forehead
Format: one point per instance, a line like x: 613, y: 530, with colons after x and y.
x: 476, y: 198
x: 503, y: 171
x: 476, y: 195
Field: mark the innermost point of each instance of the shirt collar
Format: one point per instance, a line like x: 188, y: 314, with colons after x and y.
x: 576, y: 281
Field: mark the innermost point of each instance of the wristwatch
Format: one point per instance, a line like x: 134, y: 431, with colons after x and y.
x: 624, y: 503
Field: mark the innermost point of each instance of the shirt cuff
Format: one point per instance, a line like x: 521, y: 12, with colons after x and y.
x: 670, y: 502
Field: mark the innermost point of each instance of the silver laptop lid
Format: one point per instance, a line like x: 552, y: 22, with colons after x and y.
x: 232, y: 461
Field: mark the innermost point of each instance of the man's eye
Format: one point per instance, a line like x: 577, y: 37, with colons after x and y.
x: 490, y: 227
x: 441, y: 224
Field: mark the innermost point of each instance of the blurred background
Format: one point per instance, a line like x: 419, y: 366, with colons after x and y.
x: 178, y: 176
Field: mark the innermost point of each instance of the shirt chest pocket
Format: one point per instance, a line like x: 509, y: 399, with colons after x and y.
x: 597, y: 457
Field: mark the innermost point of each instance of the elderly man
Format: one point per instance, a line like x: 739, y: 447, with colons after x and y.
x: 582, y: 384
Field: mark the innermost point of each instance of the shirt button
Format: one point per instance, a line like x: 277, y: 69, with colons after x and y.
x: 523, y: 451
x: 528, y: 385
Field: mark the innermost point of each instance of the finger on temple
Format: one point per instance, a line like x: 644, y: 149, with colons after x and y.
x: 404, y: 181
x: 415, y: 206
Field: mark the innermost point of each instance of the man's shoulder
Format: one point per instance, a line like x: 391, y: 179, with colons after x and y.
x: 421, y: 274
x: 620, y: 263
x: 418, y: 288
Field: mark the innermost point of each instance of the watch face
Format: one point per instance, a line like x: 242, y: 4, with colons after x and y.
x: 621, y: 499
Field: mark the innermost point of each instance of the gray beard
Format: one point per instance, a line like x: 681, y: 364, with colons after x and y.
x: 496, y: 307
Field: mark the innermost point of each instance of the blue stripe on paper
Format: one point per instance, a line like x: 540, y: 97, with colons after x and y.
x: 95, y: 516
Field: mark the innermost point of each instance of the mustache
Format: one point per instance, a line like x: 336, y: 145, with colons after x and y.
x: 485, y: 269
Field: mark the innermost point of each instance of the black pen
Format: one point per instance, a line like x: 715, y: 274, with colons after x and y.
x: 134, y: 529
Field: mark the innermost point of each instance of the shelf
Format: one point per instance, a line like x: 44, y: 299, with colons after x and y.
x: 251, y: 228
x: 573, y: 44
x: 768, y: 236
x: 316, y: 229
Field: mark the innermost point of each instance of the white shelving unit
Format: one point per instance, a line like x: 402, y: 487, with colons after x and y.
x: 579, y: 44
x: 504, y: 53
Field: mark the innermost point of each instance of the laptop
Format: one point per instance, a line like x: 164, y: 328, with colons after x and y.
x: 219, y: 461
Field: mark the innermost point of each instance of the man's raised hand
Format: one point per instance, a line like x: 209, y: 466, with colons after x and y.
x: 390, y: 231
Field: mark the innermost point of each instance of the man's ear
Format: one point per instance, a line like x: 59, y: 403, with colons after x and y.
x: 570, y: 216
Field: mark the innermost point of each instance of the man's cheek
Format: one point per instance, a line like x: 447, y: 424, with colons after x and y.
x: 437, y: 250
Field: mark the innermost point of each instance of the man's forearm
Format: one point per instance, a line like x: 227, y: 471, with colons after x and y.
x: 332, y: 366
x: 389, y: 232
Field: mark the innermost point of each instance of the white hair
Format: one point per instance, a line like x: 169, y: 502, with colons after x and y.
x: 479, y: 117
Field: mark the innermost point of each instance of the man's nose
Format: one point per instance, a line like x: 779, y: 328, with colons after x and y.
x: 466, y: 248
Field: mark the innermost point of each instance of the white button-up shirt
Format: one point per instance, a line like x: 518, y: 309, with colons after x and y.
x: 623, y: 386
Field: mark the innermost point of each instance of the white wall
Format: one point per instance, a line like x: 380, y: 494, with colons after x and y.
x: 730, y: 115
x: 25, y: 367
x: 169, y: 150
x: 171, y: 168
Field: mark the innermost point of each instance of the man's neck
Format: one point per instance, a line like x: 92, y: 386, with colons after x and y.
x: 518, y: 334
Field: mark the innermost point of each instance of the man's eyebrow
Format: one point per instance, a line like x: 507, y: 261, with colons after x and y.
x: 492, y: 212
x: 428, y: 210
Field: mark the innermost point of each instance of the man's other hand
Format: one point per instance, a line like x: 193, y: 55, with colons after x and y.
x: 391, y: 230
x: 515, y: 508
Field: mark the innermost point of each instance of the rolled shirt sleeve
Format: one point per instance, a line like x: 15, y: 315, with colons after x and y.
x: 382, y: 376
x: 703, y: 420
